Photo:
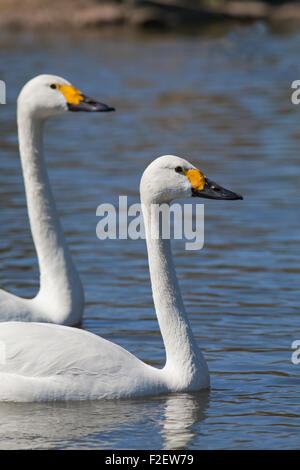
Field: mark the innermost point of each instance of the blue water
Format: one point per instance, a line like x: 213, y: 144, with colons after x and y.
x: 224, y: 104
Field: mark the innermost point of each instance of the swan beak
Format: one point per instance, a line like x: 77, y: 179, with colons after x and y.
x: 212, y: 190
x: 90, y: 105
x: 77, y: 101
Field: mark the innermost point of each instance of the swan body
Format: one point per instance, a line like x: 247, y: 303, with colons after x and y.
x: 60, y: 298
x: 46, y: 362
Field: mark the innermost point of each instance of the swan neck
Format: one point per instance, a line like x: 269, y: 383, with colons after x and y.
x: 60, y: 286
x: 183, y: 357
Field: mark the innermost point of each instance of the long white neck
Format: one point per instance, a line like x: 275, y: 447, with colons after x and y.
x: 60, y: 287
x: 184, y: 361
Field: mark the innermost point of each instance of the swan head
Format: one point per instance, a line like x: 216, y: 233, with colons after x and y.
x: 48, y: 95
x: 170, y: 177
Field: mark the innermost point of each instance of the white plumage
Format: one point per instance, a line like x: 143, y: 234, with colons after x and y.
x: 60, y: 298
x: 52, y: 362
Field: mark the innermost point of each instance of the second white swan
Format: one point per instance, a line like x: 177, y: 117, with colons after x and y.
x: 44, y: 362
x: 60, y: 298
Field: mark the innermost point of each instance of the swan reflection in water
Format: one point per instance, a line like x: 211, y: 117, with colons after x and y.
x: 182, y: 412
x: 163, y: 422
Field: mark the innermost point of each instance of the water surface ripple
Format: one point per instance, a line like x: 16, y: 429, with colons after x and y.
x: 224, y: 103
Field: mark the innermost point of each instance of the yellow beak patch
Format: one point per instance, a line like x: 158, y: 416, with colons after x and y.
x: 196, y: 178
x: 72, y: 95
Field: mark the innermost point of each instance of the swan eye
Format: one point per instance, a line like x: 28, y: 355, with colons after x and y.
x: 53, y: 86
x: 179, y: 169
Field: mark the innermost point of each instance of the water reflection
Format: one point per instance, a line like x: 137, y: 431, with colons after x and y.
x: 99, y: 423
x: 182, y: 412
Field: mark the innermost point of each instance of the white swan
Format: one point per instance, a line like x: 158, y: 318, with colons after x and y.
x: 60, y: 298
x: 44, y: 362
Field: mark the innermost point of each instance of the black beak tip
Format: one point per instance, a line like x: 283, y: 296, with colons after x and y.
x: 90, y: 105
x: 217, y: 193
x: 229, y: 195
x: 109, y: 108
x: 238, y: 197
x: 102, y: 108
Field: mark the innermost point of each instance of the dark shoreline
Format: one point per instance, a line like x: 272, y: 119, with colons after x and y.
x: 170, y: 14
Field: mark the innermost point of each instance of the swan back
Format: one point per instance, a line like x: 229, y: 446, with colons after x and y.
x: 53, y: 362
